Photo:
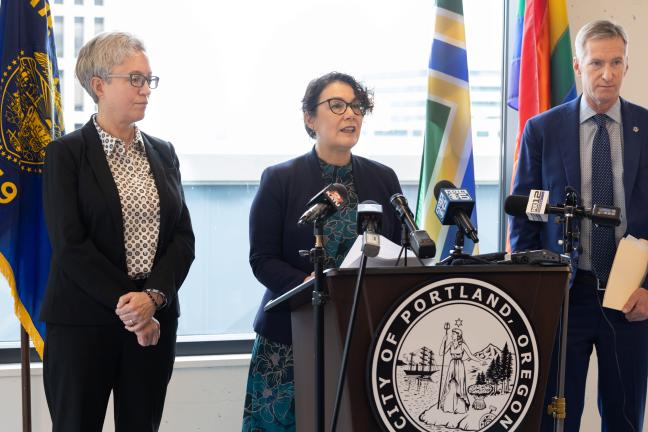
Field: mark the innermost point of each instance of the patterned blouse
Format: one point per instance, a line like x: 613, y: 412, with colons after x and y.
x: 340, y: 228
x: 138, y: 195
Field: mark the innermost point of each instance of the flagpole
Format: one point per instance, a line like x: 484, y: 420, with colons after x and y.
x: 25, y: 375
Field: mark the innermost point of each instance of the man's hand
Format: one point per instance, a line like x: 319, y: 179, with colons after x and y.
x: 636, y: 308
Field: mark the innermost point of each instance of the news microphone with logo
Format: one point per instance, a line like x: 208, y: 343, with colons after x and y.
x: 325, y: 203
x: 369, y: 224
x: 536, y: 208
x: 420, y: 241
x: 454, y: 207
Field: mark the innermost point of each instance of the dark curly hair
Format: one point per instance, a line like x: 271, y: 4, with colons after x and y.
x: 316, y: 86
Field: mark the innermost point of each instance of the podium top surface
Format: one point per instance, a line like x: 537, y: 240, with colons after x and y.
x: 302, y: 293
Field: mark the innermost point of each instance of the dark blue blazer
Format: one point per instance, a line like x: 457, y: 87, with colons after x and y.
x: 275, y: 238
x: 550, y: 160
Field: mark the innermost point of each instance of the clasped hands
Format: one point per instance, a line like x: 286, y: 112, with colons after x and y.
x: 136, y: 311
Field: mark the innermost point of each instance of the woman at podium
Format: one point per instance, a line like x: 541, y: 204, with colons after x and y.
x: 334, y: 106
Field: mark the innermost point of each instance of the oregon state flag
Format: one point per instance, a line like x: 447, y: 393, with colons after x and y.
x: 447, y: 151
x: 30, y: 104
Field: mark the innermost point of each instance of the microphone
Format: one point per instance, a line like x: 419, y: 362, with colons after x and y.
x: 454, y: 207
x: 535, y: 207
x: 324, y: 204
x: 420, y: 241
x: 369, y: 224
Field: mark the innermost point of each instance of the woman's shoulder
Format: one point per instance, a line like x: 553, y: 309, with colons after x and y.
x: 290, y: 167
x: 364, y: 168
x: 156, y: 142
x: 370, y: 164
x: 71, y: 143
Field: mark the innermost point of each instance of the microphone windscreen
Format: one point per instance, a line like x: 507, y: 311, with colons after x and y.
x: 516, y: 205
x: 338, y: 193
x: 369, y: 206
x: 397, y: 199
x: 369, y: 215
x: 443, y: 184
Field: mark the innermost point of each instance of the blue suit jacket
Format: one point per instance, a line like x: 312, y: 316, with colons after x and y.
x: 275, y: 238
x: 550, y: 160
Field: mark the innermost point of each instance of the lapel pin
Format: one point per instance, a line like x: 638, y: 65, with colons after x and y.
x: 635, y: 129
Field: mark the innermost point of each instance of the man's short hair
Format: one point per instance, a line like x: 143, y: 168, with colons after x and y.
x: 601, y: 29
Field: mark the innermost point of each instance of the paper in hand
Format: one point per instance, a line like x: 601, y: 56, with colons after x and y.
x: 628, y: 272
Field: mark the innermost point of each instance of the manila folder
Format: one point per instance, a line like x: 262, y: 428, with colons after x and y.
x: 628, y: 272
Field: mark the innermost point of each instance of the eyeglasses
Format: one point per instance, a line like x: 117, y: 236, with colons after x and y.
x: 339, y: 106
x: 138, y: 79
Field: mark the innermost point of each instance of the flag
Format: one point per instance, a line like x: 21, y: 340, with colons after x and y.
x: 546, y: 76
x: 514, y: 70
x: 447, y: 151
x: 30, y: 104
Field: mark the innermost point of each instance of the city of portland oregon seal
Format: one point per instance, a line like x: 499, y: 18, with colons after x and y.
x: 457, y: 354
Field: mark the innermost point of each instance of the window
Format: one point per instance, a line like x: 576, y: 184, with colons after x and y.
x: 62, y: 84
x: 99, y: 25
x: 79, y: 96
x: 59, y: 31
x: 226, y: 132
x: 78, y: 34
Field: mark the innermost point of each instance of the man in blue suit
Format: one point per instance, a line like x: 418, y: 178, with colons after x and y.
x: 597, y: 144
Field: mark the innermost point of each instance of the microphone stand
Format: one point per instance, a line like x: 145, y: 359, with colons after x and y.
x: 558, y: 407
x: 405, y: 246
x: 317, y: 254
x: 347, y: 341
x: 457, y: 250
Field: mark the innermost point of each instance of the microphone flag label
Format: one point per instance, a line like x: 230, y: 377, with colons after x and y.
x: 537, y: 205
x: 442, y: 207
x: 335, y: 198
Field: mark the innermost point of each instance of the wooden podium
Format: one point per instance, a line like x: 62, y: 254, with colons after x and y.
x: 538, y: 291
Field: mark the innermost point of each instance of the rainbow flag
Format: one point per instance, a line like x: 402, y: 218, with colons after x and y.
x: 546, y: 77
x: 30, y: 105
x: 447, y: 151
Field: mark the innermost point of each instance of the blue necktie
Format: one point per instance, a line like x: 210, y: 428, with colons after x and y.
x: 603, y: 242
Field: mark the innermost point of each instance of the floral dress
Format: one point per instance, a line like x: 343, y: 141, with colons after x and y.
x: 269, y: 399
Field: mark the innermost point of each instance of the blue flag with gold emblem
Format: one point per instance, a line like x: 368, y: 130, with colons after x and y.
x: 30, y: 103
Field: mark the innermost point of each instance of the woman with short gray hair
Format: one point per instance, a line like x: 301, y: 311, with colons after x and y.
x: 122, y: 245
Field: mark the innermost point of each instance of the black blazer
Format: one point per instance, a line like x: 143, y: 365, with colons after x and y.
x: 275, y: 237
x: 84, y: 221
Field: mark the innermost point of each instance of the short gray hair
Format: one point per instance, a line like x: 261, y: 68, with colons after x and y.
x: 601, y: 29
x: 102, y: 53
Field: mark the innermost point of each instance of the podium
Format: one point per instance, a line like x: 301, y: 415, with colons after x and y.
x: 506, y: 316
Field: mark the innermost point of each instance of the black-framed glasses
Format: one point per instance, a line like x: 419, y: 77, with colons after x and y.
x: 339, y: 106
x: 138, y: 79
